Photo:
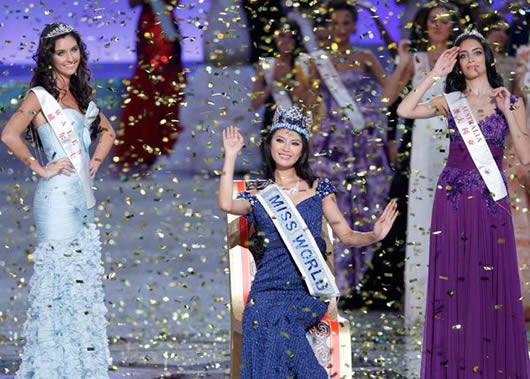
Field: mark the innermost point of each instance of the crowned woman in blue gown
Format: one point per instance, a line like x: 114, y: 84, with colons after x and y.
x: 65, y: 330
x: 280, y: 307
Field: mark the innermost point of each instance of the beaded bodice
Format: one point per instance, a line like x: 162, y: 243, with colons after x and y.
x: 460, y: 174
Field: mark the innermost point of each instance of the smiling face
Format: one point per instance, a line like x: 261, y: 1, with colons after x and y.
x: 472, y: 59
x: 439, y: 25
x: 66, y: 56
x: 286, y: 148
x: 343, y: 25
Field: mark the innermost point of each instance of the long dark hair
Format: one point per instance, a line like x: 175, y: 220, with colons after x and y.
x: 456, y: 81
x: 279, y: 26
x: 283, y: 23
x: 43, y: 73
x: 302, y: 167
x: 419, y: 35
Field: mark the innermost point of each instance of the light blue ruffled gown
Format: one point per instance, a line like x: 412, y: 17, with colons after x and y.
x: 65, y: 330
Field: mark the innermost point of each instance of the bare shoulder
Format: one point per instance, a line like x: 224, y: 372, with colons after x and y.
x: 30, y: 109
x: 104, y: 119
x: 31, y: 103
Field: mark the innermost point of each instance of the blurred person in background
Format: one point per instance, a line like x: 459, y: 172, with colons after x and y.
x: 260, y: 16
x: 383, y: 283
x: 435, y: 30
x: 150, y: 124
x: 349, y: 146
x: 276, y: 84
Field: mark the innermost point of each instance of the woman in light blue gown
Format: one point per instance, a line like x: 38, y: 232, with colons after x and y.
x: 65, y: 330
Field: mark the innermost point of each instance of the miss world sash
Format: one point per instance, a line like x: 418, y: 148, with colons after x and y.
x: 476, y: 144
x: 62, y: 127
x: 336, y: 87
x: 299, y: 241
x: 279, y: 95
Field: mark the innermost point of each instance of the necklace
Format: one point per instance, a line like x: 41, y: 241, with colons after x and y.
x: 294, y: 189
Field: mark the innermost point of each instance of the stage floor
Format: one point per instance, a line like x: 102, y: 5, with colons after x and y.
x: 167, y: 285
x: 167, y: 288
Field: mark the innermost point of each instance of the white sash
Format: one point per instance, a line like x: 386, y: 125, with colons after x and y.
x: 72, y: 146
x: 166, y: 23
x: 281, y: 98
x: 306, y: 28
x: 299, y: 241
x: 336, y: 87
x: 476, y: 144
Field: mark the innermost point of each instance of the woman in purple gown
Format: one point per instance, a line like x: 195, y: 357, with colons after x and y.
x: 474, y: 325
x: 350, y: 154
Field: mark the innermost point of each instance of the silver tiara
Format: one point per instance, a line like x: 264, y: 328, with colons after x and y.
x: 294, y: 119
x: 475, y: 32
x: 58, y: 30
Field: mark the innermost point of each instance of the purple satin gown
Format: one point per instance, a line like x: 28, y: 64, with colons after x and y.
x: 474, y: 325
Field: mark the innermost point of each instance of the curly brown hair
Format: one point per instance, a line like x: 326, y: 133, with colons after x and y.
x: 43, y: 74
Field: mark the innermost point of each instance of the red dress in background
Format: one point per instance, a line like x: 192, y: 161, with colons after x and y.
x: 150, y: 124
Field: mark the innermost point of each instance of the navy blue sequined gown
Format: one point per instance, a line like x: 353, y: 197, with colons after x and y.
x: 279, y: 309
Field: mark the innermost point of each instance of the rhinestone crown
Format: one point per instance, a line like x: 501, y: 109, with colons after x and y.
x: 60, y: 29
x: 294, y: 119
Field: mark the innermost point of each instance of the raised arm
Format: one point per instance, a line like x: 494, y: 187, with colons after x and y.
x: 352, y: 238
x: 411, y: 107
x: 105, y: 142
x: 233, y: 143
x: 309, y: 85
x: 401, y: 76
